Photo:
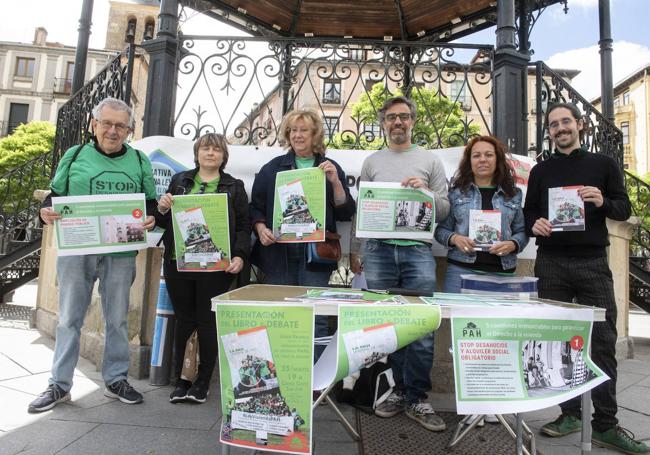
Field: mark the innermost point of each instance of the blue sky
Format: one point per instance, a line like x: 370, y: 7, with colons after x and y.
x: 562, y: 41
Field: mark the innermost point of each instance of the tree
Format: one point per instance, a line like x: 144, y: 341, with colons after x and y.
x: 439, y: 120
x: 26, y: 143
x: 639, y: 194
x: 18, y: 180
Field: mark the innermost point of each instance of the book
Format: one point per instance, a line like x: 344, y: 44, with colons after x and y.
x: 484, y: 228
x: 566, y: 209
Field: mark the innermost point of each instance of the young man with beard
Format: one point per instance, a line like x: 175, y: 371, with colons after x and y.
x: 405, y: 263
x: 572, y: 266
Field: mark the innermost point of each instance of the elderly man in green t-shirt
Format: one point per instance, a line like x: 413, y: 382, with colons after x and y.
x: 106, y: 165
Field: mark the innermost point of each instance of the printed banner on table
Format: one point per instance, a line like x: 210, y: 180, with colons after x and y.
x: 201, y: 232
x: 566, y: 209
x: 387, y: 210
x: 265, y: 370
x: 299, y: 208
x: 506, y: 365
x: 100, y: 224
x: 366, y: 333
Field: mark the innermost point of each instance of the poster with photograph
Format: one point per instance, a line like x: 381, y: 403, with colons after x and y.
x: 201, y: 232
x: 387, y: 210
x: 299, y: 208
x: 366, y: 333
x: 566, y: 209
x: 505, y: 364
x: 484, y: 228
x: 99, y: 224
x: 265, y: 371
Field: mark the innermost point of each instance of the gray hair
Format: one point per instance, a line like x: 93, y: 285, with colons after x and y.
x: 390, y: 102
x: 116, y: 105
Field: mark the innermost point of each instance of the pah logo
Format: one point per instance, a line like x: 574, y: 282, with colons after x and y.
x: 471, y: 330
x: 66, y: 210
x: 369, y: 194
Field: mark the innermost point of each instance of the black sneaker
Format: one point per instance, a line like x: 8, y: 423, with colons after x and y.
x: 52, y: 396
x: 198, y: 393
x: 180, y: 392
x: 123, y: 391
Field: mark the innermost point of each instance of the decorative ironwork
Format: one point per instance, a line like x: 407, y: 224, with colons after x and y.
x: 73, y: 119
x: 600, y: 135
x: 241, y: 86
x: 639, y: 192
x: 528, y: 18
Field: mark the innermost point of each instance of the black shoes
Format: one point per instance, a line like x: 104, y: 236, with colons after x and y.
x: 52, y: 396
x: 123, y: 391
x: 198, y: 393
x: 179, y: 394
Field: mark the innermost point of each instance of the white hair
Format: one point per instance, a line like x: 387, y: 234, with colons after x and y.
x: 116, y: 105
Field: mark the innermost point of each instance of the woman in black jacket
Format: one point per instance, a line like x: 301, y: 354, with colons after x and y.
x: 191, y: 292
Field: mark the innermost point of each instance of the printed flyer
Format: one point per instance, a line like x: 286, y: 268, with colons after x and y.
x: 484, y: 228
x: 349, y: 295
x: 265, y: 370
x: 506, y: 365
x: 387, y: 210
x: 201, y: 232
x: 99, y: 224
x: 366, y: 333
x: 299, y: 208
x: 566, y: 209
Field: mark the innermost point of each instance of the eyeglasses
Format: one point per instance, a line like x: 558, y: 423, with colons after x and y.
x: 119, y: 127
x: 564, y: 122
x: 404, y: 117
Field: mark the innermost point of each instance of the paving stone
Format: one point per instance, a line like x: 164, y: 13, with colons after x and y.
x: 44, y: 437
x: 10, y: 369
x: 633, y: 366
x: 635, y: 398
x: 626, y: 379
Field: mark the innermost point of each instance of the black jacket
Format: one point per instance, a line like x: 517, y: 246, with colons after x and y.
x: 240, y: 227
x: 261, y: 209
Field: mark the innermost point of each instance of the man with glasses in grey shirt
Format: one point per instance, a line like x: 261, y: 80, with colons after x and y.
x: 390, y: 263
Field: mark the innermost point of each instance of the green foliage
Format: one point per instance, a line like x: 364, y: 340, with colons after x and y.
x: 439, y: 120
x: 18, y: 180
x: 26, y: 143
x: 639, y: 195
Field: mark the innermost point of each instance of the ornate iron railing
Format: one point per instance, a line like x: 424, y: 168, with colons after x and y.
x: 600, y: 135
x: 241, y: 87
x: 73, y: 119
x: 639, y: 192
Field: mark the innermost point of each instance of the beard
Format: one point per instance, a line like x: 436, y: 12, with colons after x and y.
x: 399, y: 136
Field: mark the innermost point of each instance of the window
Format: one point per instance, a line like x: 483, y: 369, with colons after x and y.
x: 369, y: 84
x: 18, y: 114
x: 332, y: 91
x: 617, y: 102
x: 149, y: 29
x: 626, y: 98
x: 458, y: 93
x: 357, y: 55
x: 625, y: 128
x: 24, y: 67
x: 331, y: 127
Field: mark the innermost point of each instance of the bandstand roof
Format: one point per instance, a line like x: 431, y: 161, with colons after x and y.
x: 408, y: 20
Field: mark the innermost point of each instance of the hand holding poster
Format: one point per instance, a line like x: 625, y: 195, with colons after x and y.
x: 299, y: 208
x: 387, y: 210
x: 265, y: 369
x: 566, y: 209
x: 484, y: 228
x: 505, y: 365
x: 100, y: 224
x: 201, y: 232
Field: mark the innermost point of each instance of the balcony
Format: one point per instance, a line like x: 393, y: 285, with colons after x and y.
x: 62, y: 86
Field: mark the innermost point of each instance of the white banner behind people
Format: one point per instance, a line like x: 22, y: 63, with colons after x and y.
x: 170, y: 155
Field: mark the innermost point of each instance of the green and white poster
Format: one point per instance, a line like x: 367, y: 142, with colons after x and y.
x: 387, y: 210
x: 99, y: 224
x: 265, y: 370
x: 366, y: 333
x: 299, y: 208
x: 505, y: 364
x: 201, y: 232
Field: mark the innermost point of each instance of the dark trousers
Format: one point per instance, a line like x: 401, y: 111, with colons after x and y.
x: 191, y: 294
x: 589, y: 282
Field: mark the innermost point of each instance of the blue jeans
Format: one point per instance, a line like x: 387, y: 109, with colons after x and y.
x: 76, y: 276
x: 298, y: 275
x: 409, y: 267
